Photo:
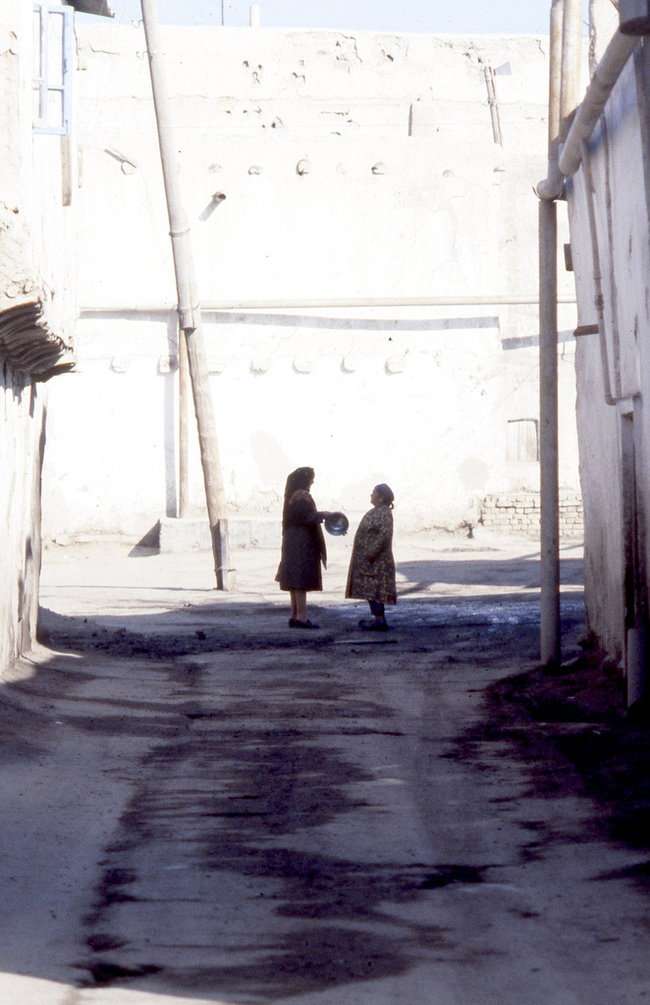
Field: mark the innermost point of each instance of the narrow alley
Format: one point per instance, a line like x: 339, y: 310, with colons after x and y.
x: 215, y: 810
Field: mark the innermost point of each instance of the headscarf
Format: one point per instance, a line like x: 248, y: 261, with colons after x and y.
x: 386, y: 493
x: 301, y: 478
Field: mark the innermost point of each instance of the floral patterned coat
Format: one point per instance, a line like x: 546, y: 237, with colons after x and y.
x: 372, y: 566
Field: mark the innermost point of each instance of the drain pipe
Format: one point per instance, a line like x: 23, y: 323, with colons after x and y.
x: 597, y: 274
x: 602, y: 83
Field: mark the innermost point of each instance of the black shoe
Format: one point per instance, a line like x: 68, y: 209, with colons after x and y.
x: 373, y: 626
x: 304, y: 624
x: 292, y: 622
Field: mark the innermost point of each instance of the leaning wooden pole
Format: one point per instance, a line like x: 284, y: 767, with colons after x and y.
x: 189, y: 310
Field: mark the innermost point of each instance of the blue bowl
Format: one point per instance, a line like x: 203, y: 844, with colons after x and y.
x: 336, y: 524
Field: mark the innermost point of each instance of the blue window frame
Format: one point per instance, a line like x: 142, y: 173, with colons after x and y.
x: 53, y: 62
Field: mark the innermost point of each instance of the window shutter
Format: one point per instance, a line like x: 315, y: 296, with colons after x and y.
x: 53, y: 62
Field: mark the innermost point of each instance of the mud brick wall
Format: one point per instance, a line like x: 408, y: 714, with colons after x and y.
x: 520, y: 514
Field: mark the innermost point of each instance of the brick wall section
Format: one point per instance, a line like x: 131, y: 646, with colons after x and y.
x: 519, y: 513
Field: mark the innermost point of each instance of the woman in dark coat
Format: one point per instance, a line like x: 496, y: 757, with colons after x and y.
x: 372, y: 566
x: 303, y: 545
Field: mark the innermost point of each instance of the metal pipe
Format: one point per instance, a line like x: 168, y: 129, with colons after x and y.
x: 189, y: 310
x: 548, y: 421
x: 597, y: 275
x: 329, y: 302
x: 602, y: 83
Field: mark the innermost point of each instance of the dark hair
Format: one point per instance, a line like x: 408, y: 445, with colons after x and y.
x: 301, y: 478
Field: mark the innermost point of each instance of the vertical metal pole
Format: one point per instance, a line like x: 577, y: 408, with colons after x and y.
x: 189, y: 310
x: 548, y: 415
x: 549, y: 190
x: 183, y: 437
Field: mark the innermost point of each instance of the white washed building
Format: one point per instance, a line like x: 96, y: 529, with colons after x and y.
x: 320, y: 169
x: 37, y: 299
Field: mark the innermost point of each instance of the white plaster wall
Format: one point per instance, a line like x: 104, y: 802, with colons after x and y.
x: 35, y: 262
x: 37, y: 234
x: 277, y: 233
x: 449, y: 213
x: 622, y: 373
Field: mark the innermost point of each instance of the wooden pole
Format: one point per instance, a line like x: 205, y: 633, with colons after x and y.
x: 571, y: 63
x: 488, y: 72
x: 189, y: 310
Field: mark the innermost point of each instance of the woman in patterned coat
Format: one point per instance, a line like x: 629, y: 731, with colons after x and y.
x: 303, y: 545
x: 372, y: 566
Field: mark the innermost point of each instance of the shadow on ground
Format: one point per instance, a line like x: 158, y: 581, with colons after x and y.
x: 573, y: 733
x: 204, y: 887
x: 522, y: 573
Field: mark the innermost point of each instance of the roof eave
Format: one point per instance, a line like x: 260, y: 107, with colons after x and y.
x: 98, y: 7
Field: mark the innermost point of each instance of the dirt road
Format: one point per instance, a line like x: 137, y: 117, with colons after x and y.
x: 201, y: 805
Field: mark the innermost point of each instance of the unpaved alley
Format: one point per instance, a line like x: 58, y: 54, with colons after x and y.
x: 201, y: 806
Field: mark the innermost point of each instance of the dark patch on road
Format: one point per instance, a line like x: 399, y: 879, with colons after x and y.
x: 120, y: 725
x: 268, y: 781
x: 419, y: 626
x: 571, y: 732
x: 640, y: 873
x: 235, y: 781
x: 104, y: 973
x: 446, y: 874
x: 110, y: 891
x: 101, y: 942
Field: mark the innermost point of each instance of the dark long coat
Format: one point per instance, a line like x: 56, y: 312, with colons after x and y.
x: 372, y: 566
x: 303, y: 545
